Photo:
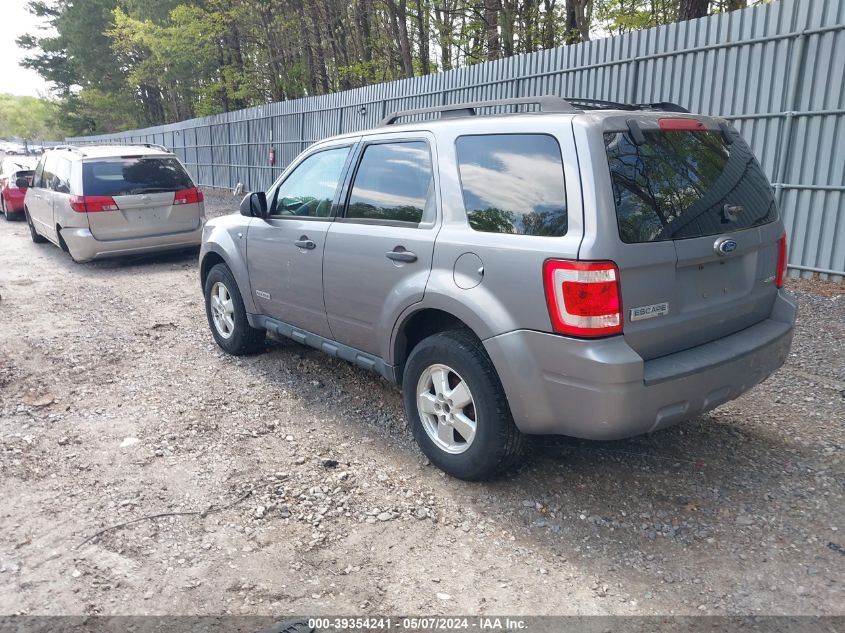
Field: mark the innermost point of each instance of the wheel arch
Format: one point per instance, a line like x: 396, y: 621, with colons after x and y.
x: 214, y: 252
x: 209, y: 261
x: 418, y: 325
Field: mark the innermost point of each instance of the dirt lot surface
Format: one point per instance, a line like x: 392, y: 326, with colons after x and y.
x: 115, y: 404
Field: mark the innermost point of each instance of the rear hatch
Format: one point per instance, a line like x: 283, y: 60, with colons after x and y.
x: 139, y: 196
x: 698, y: 227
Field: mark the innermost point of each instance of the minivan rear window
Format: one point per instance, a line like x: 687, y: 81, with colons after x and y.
x: 685, y: 184
x: 130, y: 176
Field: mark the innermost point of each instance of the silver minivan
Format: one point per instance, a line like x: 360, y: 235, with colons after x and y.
x: 99, y: 201
x: 590, y: 269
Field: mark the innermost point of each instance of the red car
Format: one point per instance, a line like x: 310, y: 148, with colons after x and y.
x: 11, y: 197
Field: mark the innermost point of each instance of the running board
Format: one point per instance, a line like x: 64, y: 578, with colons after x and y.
x: 330, y: 347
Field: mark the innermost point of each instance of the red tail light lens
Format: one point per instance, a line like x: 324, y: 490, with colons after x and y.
x: 188, y: 196
x: 92, y: 204
x: 681, y: 125
x: 584, y: 298
x: 780, y: 275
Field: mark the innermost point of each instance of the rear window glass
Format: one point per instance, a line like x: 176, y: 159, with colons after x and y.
x: 681, y: 184
x: 513, y: 183
x: 130, y: 176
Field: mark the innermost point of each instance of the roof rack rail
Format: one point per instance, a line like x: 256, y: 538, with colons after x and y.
x: 122, y: 143
x: 67, y: 148
x: 598, y: 104
x: 152, y: 146
x: 547, y: 103
x: 664, y: 106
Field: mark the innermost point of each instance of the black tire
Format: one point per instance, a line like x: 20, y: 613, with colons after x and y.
x: 244, y: 338
x: 497, y: 444
x: 38, y: 239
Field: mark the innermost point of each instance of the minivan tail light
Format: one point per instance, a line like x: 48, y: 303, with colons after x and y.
x: 584, y: 298
x: 780, y: 275
x: 92, y: 204
x: 681, y: 125
x: 188, y: 196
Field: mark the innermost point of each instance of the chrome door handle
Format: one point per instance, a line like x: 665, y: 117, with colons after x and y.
x: 401, y: 256
x: 304, y: 242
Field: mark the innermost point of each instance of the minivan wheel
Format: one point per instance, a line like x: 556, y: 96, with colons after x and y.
x: 226, y: 314
x: 457, y: 409
x: 32, y: 232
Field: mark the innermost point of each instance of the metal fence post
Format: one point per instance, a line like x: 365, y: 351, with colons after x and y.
x: 633, y: 80
x: 211, y: 153
x: 789, y: 107
x: 248, y: 157
x: 232, y: 182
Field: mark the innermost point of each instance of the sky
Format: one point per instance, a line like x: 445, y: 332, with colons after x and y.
x: 14, y: 79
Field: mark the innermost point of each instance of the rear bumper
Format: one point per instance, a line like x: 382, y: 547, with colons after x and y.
x: 84, y: 247
x: 14, y: 201
x: 602, y: 389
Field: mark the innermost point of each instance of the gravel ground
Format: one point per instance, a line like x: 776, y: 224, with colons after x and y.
x: 309, y: 495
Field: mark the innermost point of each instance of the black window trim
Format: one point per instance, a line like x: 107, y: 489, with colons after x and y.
x: 351, y: 146
x: 562, y: 173
x: 350, y: 182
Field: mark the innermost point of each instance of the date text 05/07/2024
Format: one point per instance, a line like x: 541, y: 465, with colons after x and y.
x: 424, y: 623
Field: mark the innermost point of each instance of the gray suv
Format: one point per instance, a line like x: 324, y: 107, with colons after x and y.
x: 589, y: 269
x: 107, y: 200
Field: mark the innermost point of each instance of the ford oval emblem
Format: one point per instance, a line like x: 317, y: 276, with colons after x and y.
x: 725, y: 246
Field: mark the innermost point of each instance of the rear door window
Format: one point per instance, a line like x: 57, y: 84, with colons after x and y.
x: 513, y: 183
x: 132, y: 176
x: 685, y: 184
x: 394, y: 183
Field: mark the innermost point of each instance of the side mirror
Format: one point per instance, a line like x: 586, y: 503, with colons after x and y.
x: 254, y: 205
x: 22, y: 183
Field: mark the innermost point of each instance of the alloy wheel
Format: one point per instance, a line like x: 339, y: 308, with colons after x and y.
x: 446, y: 408
x: 222, y: 310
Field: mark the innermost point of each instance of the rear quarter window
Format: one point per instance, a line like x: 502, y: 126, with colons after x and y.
x: 131, y: 176
x: 513, y: 183
x: 685, y: 184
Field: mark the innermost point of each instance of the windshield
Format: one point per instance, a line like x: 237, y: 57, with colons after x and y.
x: 131, y: 176
x: 685, y: 184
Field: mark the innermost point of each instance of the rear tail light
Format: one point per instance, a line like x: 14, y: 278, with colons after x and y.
x: 92, y: 204
x: 188, y: 196
x: 681, y: 125
x: 780, y: 275
x: 584, y: 298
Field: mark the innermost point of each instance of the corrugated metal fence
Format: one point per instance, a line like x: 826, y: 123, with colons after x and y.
x: 777, y: 71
